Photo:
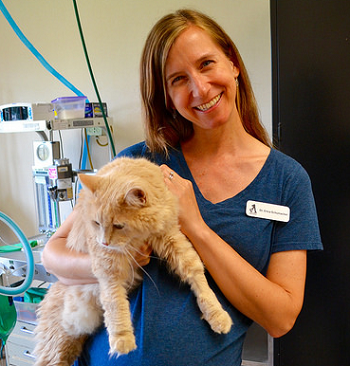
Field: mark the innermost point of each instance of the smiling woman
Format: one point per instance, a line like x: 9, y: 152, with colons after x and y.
x: 206, y: 47
x: 215, y: 160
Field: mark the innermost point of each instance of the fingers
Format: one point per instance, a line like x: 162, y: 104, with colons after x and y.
x: 143, y: 255
x: 168, y: 174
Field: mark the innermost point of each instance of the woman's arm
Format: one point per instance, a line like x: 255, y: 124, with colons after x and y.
x: 274, y: 301
x: 69, y: 266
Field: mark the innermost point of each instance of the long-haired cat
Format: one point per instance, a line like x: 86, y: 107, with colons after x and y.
x: 120, y: 208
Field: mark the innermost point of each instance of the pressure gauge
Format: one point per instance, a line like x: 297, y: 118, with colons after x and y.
x: 43, y: 152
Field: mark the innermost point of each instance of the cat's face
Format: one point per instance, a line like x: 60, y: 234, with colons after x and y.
x: 126, y: 202
x: 119, y: 222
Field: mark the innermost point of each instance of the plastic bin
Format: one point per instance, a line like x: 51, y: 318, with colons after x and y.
x: 26, y: 311
x: 69, y: 107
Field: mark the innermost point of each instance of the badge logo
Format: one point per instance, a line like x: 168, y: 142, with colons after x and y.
x: 267, y: 211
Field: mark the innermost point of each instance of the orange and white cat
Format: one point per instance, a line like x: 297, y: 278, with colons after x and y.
x: 120, y: 208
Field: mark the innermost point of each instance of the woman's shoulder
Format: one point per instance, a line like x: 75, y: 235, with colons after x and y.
x: 137, y: 150
x: 282, y: 157
x: 142, y: 150
x: 286, y: 172
x: 285, y: 163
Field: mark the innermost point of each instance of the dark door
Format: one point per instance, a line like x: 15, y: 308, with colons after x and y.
x: 311, y: 122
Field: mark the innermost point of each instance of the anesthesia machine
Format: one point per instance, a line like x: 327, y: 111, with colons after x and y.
x: 53, y: 174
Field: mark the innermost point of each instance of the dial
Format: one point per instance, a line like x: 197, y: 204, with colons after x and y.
x: 43, y: 152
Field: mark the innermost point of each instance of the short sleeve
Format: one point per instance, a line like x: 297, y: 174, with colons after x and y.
x: 301, y: 232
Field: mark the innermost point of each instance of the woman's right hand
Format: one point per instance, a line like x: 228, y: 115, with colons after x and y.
x: 69, y: 266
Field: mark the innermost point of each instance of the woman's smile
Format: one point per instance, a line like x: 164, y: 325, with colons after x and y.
x: 206, y: 106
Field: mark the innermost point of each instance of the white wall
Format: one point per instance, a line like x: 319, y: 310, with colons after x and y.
x: 114, y: 32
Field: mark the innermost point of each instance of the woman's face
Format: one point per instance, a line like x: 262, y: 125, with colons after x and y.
x: 200, y: 80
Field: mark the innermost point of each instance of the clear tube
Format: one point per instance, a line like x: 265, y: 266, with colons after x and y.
x: 10, y: 291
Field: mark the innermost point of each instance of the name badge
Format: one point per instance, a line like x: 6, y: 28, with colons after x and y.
x: 268, y: 211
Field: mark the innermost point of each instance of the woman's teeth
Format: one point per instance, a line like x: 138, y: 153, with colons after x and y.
x: 206, y: 106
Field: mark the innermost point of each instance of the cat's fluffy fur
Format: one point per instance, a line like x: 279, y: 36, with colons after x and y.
x: 120, y: 208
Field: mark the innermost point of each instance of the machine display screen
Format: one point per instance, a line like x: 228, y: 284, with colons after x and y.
x: 15, y: 113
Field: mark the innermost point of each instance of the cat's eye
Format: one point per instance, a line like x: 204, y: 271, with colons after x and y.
x: 96, y: 223
x: 118, y: 226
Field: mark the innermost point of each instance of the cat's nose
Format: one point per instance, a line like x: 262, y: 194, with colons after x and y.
x: 105, y: 243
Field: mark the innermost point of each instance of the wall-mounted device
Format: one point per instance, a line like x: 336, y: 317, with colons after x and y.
x: 33, y: 117
x: 66, y: 124
x: 25, y: 117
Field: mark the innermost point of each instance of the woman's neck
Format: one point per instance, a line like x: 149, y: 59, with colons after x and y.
x: 215, y: 142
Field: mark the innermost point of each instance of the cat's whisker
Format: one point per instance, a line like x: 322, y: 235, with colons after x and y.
x: 133, y: 272
x: 142, y: 269
x: 147, y: 255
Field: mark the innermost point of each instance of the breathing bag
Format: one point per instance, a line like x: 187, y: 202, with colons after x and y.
x: 8, y: 317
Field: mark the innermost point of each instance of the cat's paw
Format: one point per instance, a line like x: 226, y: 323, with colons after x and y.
x: 122, y: 344
x: 220, y: 322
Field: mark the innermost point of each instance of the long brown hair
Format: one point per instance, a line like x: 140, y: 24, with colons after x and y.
x: 163, y: 128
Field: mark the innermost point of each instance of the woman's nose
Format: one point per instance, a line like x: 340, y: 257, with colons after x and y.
x: 199, y: 86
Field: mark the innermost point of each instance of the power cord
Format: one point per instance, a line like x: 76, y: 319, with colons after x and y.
x: 93, y: 78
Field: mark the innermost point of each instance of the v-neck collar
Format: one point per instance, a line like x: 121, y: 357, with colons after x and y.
x: 237, y: 196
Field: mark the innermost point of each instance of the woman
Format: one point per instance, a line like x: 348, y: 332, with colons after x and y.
x: 203, y: 128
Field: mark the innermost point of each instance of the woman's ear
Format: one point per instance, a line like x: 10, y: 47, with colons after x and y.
x: 235, y: 70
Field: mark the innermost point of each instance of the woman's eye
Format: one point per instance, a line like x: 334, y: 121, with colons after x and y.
x: 118, y: 226
x: 207, y: 63
x: 177, y: 79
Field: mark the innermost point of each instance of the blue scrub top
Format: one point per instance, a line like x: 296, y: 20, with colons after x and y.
x: 168, y: 326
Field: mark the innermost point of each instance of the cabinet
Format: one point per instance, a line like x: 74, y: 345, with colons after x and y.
x: 258, y: 347
x: 20, y: 345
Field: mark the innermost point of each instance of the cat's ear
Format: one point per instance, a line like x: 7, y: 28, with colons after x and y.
x: 89, y: 181
x: 136, y: 197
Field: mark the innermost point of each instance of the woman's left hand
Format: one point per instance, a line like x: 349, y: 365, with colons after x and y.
x: 143, y: 255
x: 189, y: 214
